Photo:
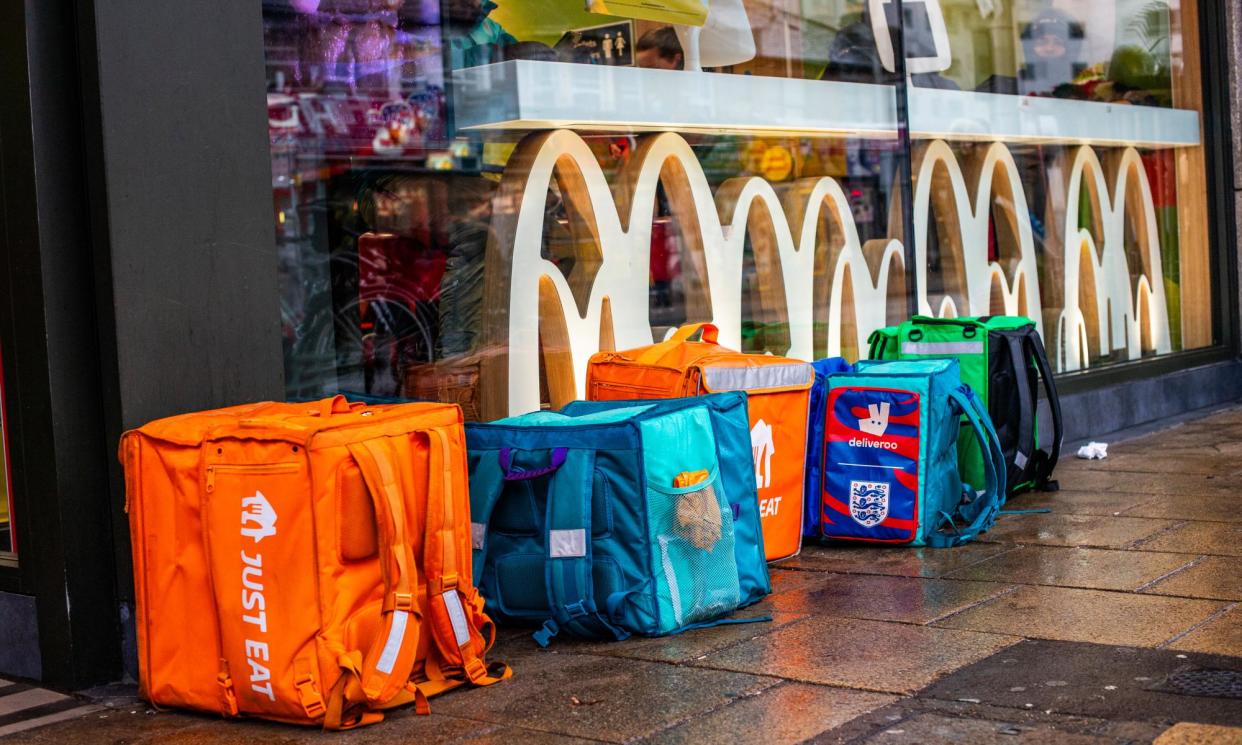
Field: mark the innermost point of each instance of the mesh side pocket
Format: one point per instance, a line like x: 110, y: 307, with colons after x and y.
x: 695, y: 563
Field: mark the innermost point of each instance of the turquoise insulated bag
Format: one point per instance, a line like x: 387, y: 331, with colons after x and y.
x: 611, y: 520
x: 890, y: 446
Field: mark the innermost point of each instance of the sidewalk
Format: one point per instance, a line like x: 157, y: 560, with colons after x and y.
x: 1096, y: 622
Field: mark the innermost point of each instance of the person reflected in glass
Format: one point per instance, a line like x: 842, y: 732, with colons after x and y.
x: 660, y: 49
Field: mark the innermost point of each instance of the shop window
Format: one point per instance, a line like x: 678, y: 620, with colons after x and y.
x: 8, y: 541
x: 472, y: 197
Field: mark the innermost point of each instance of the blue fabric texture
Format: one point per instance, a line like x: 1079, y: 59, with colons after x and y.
x: 584, y: 522
x: 889, y: 438
x: 811, y: 505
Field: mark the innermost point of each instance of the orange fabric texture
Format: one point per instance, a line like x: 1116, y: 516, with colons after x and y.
x: 300, y: 562
x: 778, y: 397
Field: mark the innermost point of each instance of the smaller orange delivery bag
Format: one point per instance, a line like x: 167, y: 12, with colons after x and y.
x: 778, y: 392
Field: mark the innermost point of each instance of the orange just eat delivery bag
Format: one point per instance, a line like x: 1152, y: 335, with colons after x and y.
x: 778, y: 393
x: 308, y: 563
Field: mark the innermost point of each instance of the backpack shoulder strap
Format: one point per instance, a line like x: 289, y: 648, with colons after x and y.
x: 1028, y: 407
x: 982, y: 511
x: 374, y: 678
x: 462, y: 632
x: 570, y: 581
x: 486, y: 485
x: 1036, y: 348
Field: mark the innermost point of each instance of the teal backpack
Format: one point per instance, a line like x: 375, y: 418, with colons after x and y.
x: 891, y: 458
x: 1003, y: 361
x: 617, y: 518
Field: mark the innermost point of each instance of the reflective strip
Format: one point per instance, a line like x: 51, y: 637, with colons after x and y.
x: 567, y: 544
x: 1019, y: 460
x: 478, y: 532
x: 719, y: 379
x: 457, y: 615
x: 942, y: 347
x: 392, y: 647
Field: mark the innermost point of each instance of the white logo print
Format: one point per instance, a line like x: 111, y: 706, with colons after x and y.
x: 877, y: 420
x: 258, y: 521
x: 868, y: 502
x: 257, y: 510
x: 762, y: 447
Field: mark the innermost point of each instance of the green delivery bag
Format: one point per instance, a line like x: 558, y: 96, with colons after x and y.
x: 1002, y: 359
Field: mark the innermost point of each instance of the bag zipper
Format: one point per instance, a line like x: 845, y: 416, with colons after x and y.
x: 652, y: 392
x: 259, y: 468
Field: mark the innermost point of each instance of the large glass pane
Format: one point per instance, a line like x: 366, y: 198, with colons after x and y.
x: 471, y: 198
x: 1059, y: 171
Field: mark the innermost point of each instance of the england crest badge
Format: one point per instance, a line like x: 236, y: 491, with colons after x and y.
x: 868, y: 502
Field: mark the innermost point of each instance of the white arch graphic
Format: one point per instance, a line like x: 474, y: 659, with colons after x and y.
x: 537, y: 296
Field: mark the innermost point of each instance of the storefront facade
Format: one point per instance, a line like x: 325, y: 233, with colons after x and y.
x: 208, y: 203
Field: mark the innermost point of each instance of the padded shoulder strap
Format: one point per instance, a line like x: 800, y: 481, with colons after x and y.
x: 460, y: 629
x: 982, y: 511
x: 1054, y: 403
x: 1028, y: 407
x: 384, y: 670
x: 486, y: 483
x: 571, y: 585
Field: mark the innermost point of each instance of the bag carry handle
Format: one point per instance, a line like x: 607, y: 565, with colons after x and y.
x: 1054, y: 403
x: 988, y: 508
x: 518, y: 474
x: 384, y: 671
x: 461, y: 630
x: 709, y: 334
x: 338, y: 404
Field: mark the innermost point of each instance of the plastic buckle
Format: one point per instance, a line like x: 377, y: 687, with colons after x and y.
x: 576, y: 610
x: 308, y: 694
x: 403, y: 601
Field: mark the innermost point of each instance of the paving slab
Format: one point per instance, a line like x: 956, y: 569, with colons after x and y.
x: 1216, y: 577
x: 1094, y: 568
x: 786, y: 713
x: 1174, y: 484
x: 919, y: 717
x: 612, y: 699
x: 938, y: 729
x: 894, y: 560
x: 1073, y: 502
x: 1193, y: 537
x: 1084, y: 615
x: 886, y: 598
x: 1107, y: 682
x: 869, y: 655
x: 1193, y: 733
x: 1191, y: 460
x: 689, y: 645
x: 1058, y: 529
x: 1221, y: 634
x: 1211, y: 508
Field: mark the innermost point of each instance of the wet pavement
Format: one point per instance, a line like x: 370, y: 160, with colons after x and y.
x: 1116, y: 617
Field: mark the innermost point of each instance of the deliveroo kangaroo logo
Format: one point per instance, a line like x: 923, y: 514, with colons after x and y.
x: 877, y: 419
x: 762, y: 447
x: 257, y: 512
